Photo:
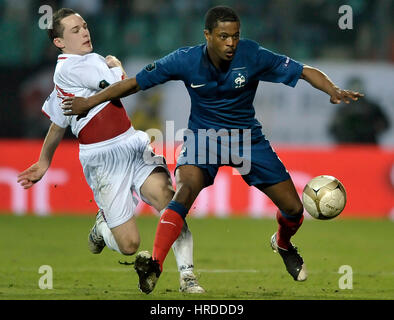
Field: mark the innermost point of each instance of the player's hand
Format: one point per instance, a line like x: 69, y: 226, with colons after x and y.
x: 112, y: 61
x: 338, y: 95
x: 75, y: 106
x: 32, y: 175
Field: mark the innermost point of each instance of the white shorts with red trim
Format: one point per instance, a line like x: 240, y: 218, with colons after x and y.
x: 114, y: 169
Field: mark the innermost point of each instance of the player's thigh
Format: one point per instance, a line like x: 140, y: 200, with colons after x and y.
x: 190, y: 180
x: 158, y: 189
x: 151, y: 178
x: 284, y: 195
x: 127, y: 236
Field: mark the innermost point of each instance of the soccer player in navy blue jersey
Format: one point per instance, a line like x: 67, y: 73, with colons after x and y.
x: 221, y: 77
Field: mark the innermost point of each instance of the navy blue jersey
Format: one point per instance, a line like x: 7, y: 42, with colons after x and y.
x: 222, y: 99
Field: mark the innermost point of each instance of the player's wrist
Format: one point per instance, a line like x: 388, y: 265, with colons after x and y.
x: 91, y: 102
x: 44, y: 164
x: 333, y: 90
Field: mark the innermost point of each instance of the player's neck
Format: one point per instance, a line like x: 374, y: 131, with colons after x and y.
x: 70, y: 52
x: 218, y: 63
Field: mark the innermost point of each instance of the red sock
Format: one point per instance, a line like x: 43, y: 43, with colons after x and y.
x: 287, y: 229
x: 168, y: 229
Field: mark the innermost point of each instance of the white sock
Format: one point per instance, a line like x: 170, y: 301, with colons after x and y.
x: 183, y: 250
x: 109, y: 238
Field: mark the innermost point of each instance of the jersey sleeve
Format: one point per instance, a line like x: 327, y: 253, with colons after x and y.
x: 163, y: 70
x: 273, y: 67
x: 53, y: 110
x: 90, y: 73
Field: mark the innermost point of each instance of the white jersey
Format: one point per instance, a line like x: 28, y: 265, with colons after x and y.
x: 115, y: 166
x: 82, y: 76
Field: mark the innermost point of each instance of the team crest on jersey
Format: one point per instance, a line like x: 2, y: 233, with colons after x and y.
x: 150, y: 67
x: 240, y: 78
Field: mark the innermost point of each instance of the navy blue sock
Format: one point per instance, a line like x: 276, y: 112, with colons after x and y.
x: 291, y: 217
x: 178, y: 208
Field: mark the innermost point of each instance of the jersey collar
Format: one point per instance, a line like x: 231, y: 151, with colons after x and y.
x: 207, y: 61
x: 64, y: 56
x: 209, y: 64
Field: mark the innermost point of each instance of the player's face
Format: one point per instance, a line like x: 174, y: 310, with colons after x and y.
x: 76, y: 36
x: 223, y: 40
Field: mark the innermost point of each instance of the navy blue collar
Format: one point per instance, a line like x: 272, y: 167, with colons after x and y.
x: 208, y: 63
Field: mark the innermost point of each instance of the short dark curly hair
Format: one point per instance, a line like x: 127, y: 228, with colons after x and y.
x: 219, y: 14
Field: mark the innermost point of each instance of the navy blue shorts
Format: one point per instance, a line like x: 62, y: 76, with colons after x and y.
x: 251, y: 155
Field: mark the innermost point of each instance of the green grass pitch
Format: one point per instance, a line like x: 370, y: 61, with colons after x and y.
x: 233, y: 260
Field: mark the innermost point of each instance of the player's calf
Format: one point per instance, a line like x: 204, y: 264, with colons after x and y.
x: 288, y: 225
x: 127, y: 237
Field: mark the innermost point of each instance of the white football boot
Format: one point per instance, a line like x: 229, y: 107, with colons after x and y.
x: 96, y: 242
x: 189, y: 283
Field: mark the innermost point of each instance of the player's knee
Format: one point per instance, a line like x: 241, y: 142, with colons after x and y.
x: 298, y: 209
x: 162, y: 197
x: 186, y: 189
x: 158, y: 191
x: 130, y: 247
x: 186, y: 194
x: 295, y: 209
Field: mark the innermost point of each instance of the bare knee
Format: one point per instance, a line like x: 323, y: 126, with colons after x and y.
x: 162, y: 195
x: 189, y: 183
x: 128, y: 244
x: 129, y: 248
x: 295, y: 209
x: 158, y: 190
x: 186, y: 193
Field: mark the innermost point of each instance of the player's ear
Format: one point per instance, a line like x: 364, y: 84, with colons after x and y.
x: 207, y: 34
x: 59, y: 43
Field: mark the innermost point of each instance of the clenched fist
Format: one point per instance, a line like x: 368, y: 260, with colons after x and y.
x: 112, y: 61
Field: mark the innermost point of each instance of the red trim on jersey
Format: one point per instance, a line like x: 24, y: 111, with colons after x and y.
x: 61, y: 58
x: 63, y: 93
x: 110, y: 122
x: 45, y: 114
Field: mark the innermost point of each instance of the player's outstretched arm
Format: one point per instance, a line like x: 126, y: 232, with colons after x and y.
x: 80, y: 105
x: 34, y: 173
x: 321, y: 81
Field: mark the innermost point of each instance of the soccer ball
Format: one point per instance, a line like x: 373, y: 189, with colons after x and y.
x: 324, y: 197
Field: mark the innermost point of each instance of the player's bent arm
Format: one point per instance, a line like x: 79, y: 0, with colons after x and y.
x: 34, y: 173
x: 54, y: 136
x: 318, y: 79
x: 321, y: 81
x: 80, y: 105
x: 115, y: 91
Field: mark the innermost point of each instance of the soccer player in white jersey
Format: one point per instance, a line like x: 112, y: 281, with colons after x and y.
x: 111, y: 150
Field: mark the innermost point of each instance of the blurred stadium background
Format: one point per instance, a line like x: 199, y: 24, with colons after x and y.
x: 354, y: 143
